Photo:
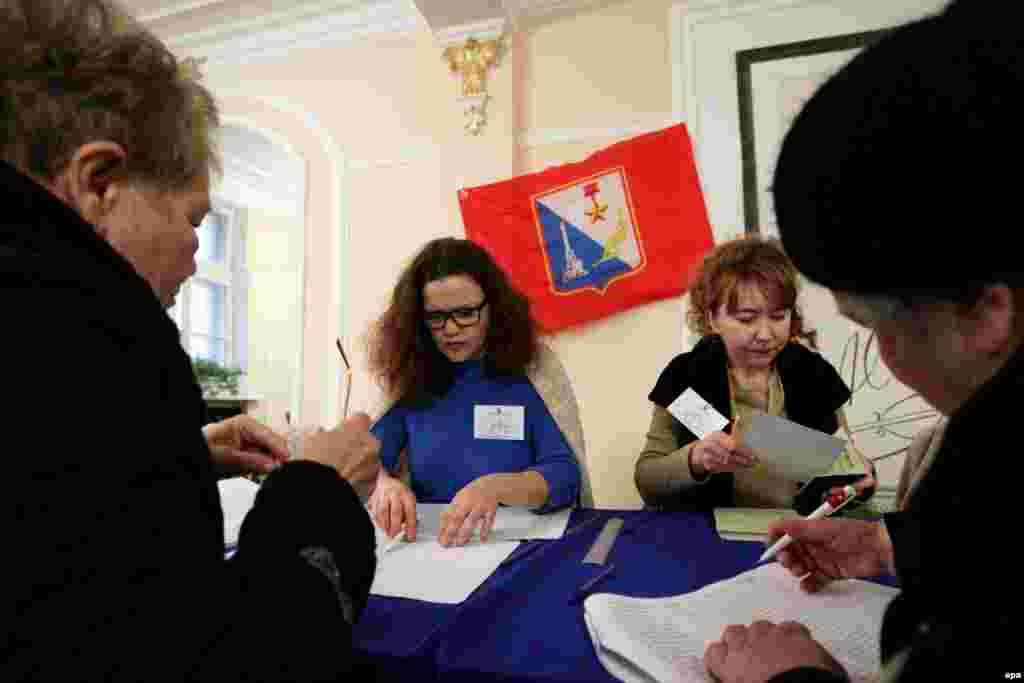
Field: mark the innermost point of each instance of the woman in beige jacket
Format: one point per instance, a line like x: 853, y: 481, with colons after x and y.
x: 750, y: 358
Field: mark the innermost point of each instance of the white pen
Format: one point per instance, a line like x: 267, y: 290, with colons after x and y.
x: 394, y: 542
x: 399, y: 538
x: 824, y: 510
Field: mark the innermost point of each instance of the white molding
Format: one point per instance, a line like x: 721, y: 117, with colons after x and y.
x: 309, y: 25
x: 556, y: 136
x: 258, y: 23
x: 297, y: 189
x: 177, y: 9
x: 542, y: 9
x: 274, y: 136
x: 258, y: 178
x: 243, y: 167
x: 684, y: 17
x: 681, y: 55
x: 681, y: 34
x: 330, y: 412
x: 677, y: 41
x: 282, y: 142
x: 701, y: 12
x: 488, y: 29
x: 245, y: 195
x: 535, y: 9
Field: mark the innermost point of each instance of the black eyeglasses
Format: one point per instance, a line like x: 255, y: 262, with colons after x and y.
x: 466, y: 316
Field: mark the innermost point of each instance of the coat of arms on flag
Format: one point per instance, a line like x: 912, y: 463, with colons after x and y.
x: 583, y: 241
x: 589, y: 233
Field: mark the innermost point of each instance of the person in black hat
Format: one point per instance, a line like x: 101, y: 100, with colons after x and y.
x: 890, y: 190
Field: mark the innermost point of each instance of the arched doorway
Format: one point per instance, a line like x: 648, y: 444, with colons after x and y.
x: 244, y: 307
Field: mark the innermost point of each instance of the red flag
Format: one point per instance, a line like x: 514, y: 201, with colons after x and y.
x: 583, y: 241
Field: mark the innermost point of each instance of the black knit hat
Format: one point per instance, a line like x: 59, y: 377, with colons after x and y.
x: 904, y: 173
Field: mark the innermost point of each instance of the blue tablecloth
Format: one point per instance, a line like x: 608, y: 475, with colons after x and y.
x: 523, y: 623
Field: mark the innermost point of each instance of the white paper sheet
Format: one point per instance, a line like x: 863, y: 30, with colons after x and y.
x: 236, y: 498
x: 696, y: 414
x: 510, y: 523
x: 425, y: 570
x: 663, y: 639
x: 790, y: 449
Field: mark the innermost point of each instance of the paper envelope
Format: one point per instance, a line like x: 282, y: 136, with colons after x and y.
x: 791, y: 450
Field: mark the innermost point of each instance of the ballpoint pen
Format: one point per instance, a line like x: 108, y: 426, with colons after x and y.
x: 824, y: 510
x: 393, y: 543
x: 348, y: 377
x: 399, y: 538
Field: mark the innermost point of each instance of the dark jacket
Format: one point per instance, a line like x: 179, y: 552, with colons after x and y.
x: 959, y: 615
x: 113, y: 533
x: 814, y: 392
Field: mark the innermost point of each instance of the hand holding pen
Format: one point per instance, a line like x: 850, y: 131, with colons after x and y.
x: 833, y: 502
x: 824, y: 550
x: 393, y: 506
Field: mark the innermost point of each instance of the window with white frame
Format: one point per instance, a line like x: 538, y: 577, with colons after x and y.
x: 211, y: 307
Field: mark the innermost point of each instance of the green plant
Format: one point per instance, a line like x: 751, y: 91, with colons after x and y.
x: 214, y: 378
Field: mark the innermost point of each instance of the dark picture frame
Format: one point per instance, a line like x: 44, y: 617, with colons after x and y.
x: 745, y: 60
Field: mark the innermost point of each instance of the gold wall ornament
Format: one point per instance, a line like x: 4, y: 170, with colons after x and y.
x: 471, y: 60
x: 476, y: 113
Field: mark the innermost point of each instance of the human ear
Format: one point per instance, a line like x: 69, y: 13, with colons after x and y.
x: 710, y: 316
x: 988, y: 325
x: 89, y: 183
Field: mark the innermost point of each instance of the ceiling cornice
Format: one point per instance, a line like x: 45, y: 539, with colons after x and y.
x: 305, y: 25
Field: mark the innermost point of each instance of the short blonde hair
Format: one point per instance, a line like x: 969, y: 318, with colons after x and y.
x: 79, y: 71
x: 745, y: 260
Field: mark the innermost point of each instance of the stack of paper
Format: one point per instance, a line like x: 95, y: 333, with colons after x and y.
x: 425, y: 570
x: 510, y: 523
x: 664, y: 639
x: 748, y: 524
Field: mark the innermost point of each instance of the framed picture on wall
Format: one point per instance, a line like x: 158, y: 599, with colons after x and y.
x: 773, y: 83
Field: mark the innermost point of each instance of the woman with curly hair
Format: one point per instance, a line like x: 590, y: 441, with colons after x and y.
x: 752, y: 355
x: 484, y: 413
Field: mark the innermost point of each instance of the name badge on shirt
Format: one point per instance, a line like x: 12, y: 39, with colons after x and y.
x: 507, y: 423
x: 696, y: 414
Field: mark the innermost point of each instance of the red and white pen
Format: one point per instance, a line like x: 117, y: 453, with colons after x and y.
x: 831, y: 504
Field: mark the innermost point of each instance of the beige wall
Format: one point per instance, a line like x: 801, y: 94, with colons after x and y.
x: 603, y: 68
x: 381, y: 134
x: 606, y: 69
x: 391, y: 111
x: 274, y: 246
